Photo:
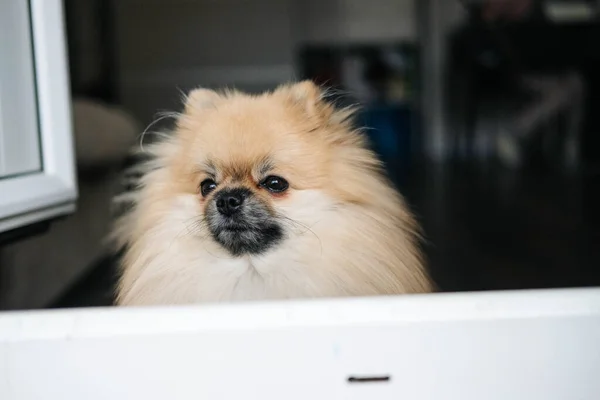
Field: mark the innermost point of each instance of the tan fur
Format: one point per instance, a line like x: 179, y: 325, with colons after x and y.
x: 348, y: 232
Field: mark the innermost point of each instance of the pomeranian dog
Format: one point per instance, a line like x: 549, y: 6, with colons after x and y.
x: 273, y: 196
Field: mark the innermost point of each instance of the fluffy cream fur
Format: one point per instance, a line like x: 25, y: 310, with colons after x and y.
x: 348, y: 233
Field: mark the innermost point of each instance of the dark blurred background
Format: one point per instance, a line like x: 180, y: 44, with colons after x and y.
x: 485, y: 113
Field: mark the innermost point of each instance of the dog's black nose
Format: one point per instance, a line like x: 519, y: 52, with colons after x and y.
x: 230, y: 202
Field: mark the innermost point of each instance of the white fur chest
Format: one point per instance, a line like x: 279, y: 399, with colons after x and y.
x: 177, y: 278
x: 180, y: 269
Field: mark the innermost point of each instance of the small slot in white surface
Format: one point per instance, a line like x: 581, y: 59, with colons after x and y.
x: 369, y: 379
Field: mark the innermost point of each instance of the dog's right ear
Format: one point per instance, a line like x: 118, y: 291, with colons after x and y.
x: 200, y: 99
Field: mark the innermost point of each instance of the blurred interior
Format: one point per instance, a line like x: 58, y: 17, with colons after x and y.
x: 483, y: 111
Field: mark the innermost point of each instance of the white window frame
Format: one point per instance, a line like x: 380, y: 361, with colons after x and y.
x: 525, y: 345
x: 43, y: 195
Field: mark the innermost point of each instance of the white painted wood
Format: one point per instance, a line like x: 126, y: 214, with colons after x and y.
x: 531, y: 345
x: 53, y: 189
x: 19, y: 139
x: 32, y: 217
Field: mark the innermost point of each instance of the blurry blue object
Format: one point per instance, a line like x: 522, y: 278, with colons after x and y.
x: 389, y: 131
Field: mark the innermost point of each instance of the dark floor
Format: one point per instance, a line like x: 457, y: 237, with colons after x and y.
x: 494, y: 230
x: 486, y: 229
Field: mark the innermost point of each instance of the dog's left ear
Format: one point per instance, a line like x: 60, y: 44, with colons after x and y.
x: 307, y: 95
x: 310, y: 97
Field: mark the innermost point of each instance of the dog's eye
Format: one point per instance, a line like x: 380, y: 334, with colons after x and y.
x: 275, y: 184
x: 207, y: 186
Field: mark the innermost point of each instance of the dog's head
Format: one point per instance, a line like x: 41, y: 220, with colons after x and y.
x: 258, y: 167
x: 268, y: 196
